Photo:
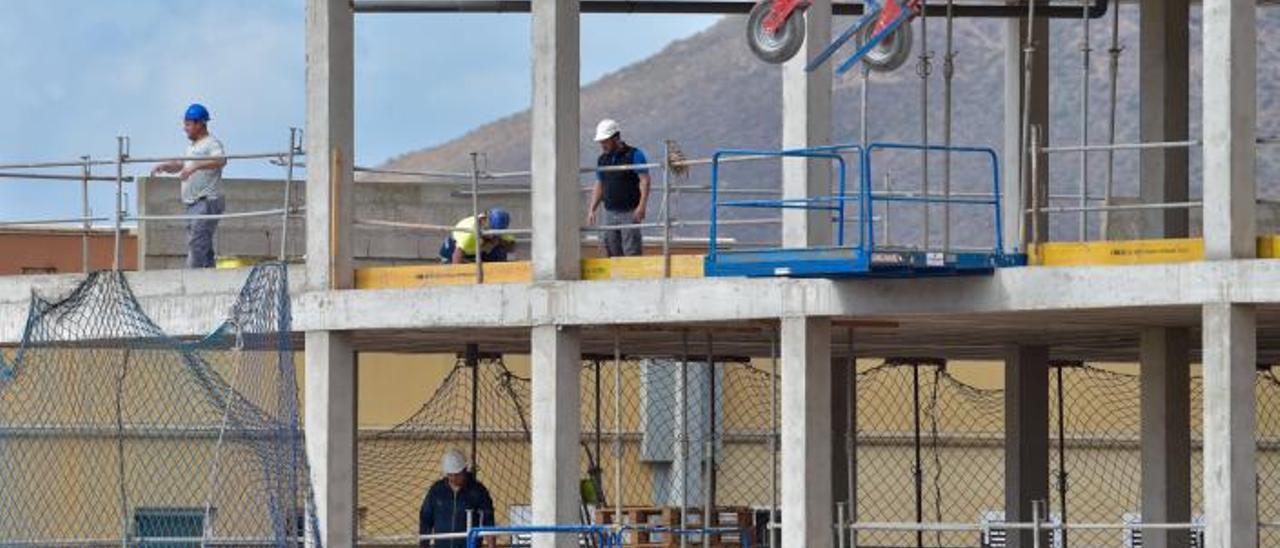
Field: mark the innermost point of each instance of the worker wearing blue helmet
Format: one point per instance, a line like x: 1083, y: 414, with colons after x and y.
x: 460, y: 246
x: 201, y: 182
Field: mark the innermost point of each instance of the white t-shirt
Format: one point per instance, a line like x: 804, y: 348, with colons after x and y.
x: 204, y: 183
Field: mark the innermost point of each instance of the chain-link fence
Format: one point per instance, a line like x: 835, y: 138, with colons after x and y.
x: 641, y: 448
x: 928, y: 447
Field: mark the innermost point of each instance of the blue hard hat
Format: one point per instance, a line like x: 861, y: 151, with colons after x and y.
x: 197, y: 112
x: 499, y: 219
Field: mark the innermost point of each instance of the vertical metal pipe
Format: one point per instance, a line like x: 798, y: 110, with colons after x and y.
x: 475, y: 216
x: 1037, y: 506
x: 773, y: 438
x: 617, y: 426
x: 1062, y: 458
x: 1085, y: 51
x: 118, y: 253
x: 288, y: 199
x: 1035, y: 183
x: 916, y: 472
x: 1025, y: 154
x: 853, y: 451
x: 851, y: 417
x: 1111, y: 118
x: 473, y: 361
x: 864, y: 140
x: 948, y: 74
x: 599, y: 441
x: 666, y: 209
x: 85, y: 173
x: 924, y: 69
x: 708, y: 516
x: 707, y: 504
x: 888, y: 207
x: 841, y: 525
x: 684, y: 436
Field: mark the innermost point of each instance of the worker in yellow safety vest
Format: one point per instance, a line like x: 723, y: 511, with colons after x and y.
x: 460, y: 246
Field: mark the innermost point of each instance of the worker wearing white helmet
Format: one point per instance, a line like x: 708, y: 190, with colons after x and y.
x: 448, y: 501
x: 624, y: 193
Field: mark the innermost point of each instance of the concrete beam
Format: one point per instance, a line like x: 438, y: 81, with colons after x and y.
x: 330, y: 146
x: 806, y: 122
x: 1026, y: 425
x: 806, y: 433
x: 1166, y: 434
x: 554, y: 121
x: 555, y: 410
x: 186, y: 303
x: 1230, y: 424
x: 1016, y: 184
x: 330, y: 411
x: 1230, y: 111
x: 1164, y: 100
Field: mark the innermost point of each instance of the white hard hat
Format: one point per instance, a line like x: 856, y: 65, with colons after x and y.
x: 453, y: 462
x: 607, y: 128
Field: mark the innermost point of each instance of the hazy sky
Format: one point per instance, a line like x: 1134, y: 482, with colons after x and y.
x: 79, y: 72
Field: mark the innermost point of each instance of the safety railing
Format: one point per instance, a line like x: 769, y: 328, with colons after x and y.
x: 946, y: 200
x: 1039, y: 526
x: 482, y: 182
x: 836, y: 203
x: 1041, y: 199
x: 123, y: 157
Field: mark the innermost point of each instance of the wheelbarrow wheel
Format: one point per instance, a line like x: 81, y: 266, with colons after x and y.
x: 774, y: 47
x: 890, y: 53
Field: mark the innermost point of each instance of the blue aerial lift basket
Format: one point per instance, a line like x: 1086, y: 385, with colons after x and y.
x: 862, y: 258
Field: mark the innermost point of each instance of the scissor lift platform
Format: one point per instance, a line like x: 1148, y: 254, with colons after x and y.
x: 846, y: 262
x: 857, y: 255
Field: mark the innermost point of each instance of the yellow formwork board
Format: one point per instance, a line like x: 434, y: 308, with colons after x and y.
x: 1127, y: 252
x: 403, y: 277
x: 638, y: 268
x: 1133, y: 252
x: 618, y: 268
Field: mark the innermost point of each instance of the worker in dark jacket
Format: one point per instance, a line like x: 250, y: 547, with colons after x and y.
x: 444, y: 509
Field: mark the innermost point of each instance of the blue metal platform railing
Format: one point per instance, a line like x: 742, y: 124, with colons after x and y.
x: 834, y: 153
x: 993, y: 200
x: 863, y: 257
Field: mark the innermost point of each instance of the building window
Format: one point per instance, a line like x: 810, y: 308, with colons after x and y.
x: 168, y: 523
x: 39, y: 270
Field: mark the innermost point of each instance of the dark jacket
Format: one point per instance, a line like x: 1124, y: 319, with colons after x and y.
x: 444, y: 511
x: 621, y: 188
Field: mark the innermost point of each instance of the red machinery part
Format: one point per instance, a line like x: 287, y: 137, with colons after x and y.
x: 780, y: 11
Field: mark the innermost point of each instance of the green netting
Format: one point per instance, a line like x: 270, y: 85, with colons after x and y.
x: 113, y: 433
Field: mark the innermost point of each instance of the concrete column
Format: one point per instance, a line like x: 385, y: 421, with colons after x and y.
x: 807, y: 506
x: 841, y: 378
x: 1166, y: 434
x: 806, y: 122
x: 330, y: 424
x: 555, y: 116
x: 1230, y: 417
x: 1026, y: 425
x: 1230, y: 108
x: 1016, y: 182
x: 1164, y: 97
x: 557, y: 355
x: 556, y: 363
x: 330, y: 145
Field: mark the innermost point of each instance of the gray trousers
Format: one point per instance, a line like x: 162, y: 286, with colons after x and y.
x: 624, y: 242
x: 200, y: 232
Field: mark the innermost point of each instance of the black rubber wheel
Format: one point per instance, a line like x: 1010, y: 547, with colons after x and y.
x: 777, y: 47
x: 891, y: 53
